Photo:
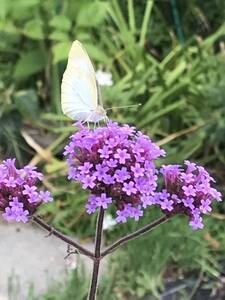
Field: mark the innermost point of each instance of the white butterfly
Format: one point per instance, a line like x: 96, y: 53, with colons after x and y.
x: 80, y: 93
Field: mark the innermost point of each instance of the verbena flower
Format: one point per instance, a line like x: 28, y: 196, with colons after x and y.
x: 187, y: 190
x: 19, y: 195
x: 116, y: 163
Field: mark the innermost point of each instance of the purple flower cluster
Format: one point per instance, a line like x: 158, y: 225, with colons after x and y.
x: 187, y: 190
x: 19, y: 196
x: 116, y: 163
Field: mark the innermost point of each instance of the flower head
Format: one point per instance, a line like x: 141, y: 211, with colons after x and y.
x: 116, y: 163
x: 19, y: 196
x: 189, y: 191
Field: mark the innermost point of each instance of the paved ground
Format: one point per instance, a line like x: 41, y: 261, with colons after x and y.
x: 28, y: 257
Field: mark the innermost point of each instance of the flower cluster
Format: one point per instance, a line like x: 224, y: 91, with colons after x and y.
x: 116, y: 163
x: 19, y: 196
x: 187, y: 190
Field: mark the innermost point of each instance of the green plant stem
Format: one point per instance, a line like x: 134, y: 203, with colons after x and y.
x: 97, y: 259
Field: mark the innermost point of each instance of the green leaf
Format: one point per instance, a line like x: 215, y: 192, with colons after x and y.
x: 23, y: 10
x: 34, y: 29
x: 29, y: 63
x: 131, y: 15
x: 8, y: 27
x: 54, y: 117
x: 146, y: 18
x: 161, y: 112
x: 59, y: 36
x: 162, y: 95
x: 96, y: 53
x: 25, y: 3
x: 60, y: 22
x: 176, y: 73
x: 64, y: 129
x: 60, y: 51
x: 92, y: 14
x: 27, y: 103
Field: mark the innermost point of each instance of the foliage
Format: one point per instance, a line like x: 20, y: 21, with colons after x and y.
x: 36, y: 37
x: 180, y: 84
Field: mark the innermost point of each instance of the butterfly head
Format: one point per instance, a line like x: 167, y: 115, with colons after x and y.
x: 98, y: 114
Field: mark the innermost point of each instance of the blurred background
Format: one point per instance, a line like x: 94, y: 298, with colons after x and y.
x: 168, y: 55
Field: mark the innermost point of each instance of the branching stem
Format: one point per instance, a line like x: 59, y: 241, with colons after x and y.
x: 97, y: 256
x: 63, y: 237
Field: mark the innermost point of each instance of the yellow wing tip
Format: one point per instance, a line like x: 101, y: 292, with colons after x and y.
x: 77, y: 49
x: 76, y: 44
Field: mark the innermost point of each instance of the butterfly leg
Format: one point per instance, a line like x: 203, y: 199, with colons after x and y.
x: 106, y: 119
x: 87, y: 120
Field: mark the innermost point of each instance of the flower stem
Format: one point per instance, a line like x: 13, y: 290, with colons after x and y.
x: 63, y: 237
x: 98, y: 255
x: 135, y: 234
x: 97, y: 259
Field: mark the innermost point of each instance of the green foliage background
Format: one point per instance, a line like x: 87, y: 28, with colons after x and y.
x: 167, y: 55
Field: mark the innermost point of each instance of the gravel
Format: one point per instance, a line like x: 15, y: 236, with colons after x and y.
x: 29, y: 258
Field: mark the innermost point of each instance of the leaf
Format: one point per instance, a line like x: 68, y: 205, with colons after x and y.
x: 59, y: 36
x: 96, y: 53
x: 176, y: 73
x: 161, y: 112
x: 92, y: 14
x: 163, y: 95
x: 60, y: 22
x: 22, y: 10
x: 26, y: 3
x: 146, y: 19
x: 4, y: 8
x: 64, y: 129
x: 7, y: 26
x: 34, y: 29
x: 60, y: 51
x: 29, y: 63
x: 54, y: 117
x: 27, y: 103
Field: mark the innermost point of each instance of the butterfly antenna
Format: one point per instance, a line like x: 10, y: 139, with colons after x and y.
x: 126, y: 106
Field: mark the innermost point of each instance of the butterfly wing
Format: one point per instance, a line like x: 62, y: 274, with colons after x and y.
x: 79, y: 92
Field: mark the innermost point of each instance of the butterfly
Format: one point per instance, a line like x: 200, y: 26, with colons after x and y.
x: 80, y: 92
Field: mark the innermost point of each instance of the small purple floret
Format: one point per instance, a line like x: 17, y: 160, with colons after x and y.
x: 192, y: 191
x: 19, y: 196
x: 116, y: 163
